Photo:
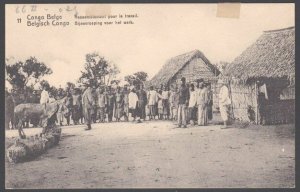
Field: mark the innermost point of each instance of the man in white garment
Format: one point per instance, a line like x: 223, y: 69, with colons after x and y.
x: 192, y: 104
x: 152, y: 98
x: 224, y: 102
x: 133, y: 99
x: 44, y: 96
x: 202, y: 101
x: 51, y: 98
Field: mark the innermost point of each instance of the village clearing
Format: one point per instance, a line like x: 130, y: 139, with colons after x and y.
x: 156, y: 154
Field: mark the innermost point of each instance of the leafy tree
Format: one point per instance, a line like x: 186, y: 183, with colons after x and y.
x: 51, y: 89
x: 222, y: 65
x: 26, y: 74
x: 113, y: 71
x: 130, y: 79
x: 136, y: 78
x: 70, y: 85
x: 96, y: 69
x: 44, y: 83
x: 15, y: 76
x: 141, y: 76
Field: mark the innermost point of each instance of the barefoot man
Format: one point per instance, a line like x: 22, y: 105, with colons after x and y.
x: 224, y: 102
x: 88, y: 102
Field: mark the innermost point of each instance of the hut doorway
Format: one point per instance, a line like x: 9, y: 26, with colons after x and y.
x: 261, y: 102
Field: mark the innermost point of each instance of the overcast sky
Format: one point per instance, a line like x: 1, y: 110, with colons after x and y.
x: 161, y: 31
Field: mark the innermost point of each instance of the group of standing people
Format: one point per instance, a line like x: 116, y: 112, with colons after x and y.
x: 106, y: 103
x: 178, y: 103
x: 187, y: 103
x: 194, y: 104
x: 71, y: 107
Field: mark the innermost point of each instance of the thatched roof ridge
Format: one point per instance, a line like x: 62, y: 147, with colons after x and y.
x: 175, y: 64
x: 271, y: 56
x: 279, y: 30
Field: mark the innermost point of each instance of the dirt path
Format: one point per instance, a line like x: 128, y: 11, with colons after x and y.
x: 126, y: 155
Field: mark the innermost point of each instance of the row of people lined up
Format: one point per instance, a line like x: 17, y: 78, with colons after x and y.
x: 194, y: 104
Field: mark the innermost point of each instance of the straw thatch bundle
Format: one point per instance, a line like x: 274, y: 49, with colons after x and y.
x: 175, y: 64
x: 272, y: 56
x: 33, y: 146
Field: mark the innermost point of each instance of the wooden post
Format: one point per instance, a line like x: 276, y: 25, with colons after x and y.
x: 256, y: 102
x: 230, y: 96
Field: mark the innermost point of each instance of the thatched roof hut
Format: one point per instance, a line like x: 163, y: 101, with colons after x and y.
x: 191, y: 65
x: 272, y: 56
x: 263, y: 78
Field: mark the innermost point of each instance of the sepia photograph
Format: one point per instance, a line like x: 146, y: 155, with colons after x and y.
x: 106, y: 96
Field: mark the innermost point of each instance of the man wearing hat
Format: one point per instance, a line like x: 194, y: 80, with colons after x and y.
x: 87, y: 103
x: 224, y: 101
x: 183, y: 102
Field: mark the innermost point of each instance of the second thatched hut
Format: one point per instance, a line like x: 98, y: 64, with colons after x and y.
x: 192, y: 65
x: 262, y: 79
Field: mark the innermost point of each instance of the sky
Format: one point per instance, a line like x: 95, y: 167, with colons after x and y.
x: 160, y: 32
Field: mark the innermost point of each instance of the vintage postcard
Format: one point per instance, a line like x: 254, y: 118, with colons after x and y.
x: 149, y: 96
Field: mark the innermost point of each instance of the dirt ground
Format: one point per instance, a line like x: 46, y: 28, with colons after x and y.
x: 158, y: 155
